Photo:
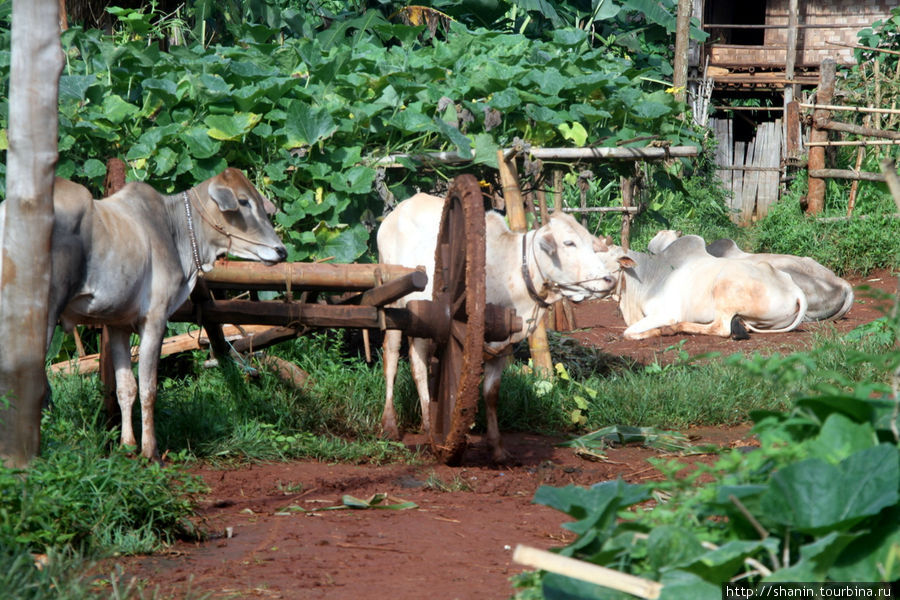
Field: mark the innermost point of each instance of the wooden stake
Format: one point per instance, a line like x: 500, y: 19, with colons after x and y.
x: 515, y: 212
x: 585, y: 571
x: 816, y: 192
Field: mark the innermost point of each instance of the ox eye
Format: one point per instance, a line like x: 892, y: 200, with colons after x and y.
x: 244, y: 202
x: 569, y: 243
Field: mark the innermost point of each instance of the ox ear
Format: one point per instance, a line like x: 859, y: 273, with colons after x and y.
x: 547, y: 243
x: 601, y: 244
x: 268, y: 206
x: 223, y: 196
x: 626, y: 262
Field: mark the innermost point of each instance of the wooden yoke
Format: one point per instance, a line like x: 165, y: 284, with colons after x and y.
x: 515, y: 212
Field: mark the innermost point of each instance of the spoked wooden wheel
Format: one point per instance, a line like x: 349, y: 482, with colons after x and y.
x: 459, y: 288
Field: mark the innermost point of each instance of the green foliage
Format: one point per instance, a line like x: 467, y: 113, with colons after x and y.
x: 817, y: 501
x: 847, y: 246
x: 88, y: 501
x: 308, y: 117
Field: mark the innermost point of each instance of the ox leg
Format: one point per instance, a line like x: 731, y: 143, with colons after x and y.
x: 721, y: 327
x: 391, y: 356
x: 419, y: 355
x: 493, y: 371
x: 151, y: 344
x: 126, y: 386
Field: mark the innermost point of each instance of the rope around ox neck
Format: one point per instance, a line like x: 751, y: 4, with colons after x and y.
x: 195, y: 249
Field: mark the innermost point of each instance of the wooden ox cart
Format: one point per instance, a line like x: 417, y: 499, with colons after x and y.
x: 456, y: 318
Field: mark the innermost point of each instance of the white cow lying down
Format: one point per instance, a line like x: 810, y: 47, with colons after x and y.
x: 130, y: 260
x: 681, y: 288
x: 828, y: 296
x: 562, y: 261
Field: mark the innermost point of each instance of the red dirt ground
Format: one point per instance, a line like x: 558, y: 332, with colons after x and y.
x: 457, y: 544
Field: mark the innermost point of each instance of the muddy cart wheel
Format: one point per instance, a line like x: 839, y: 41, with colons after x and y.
x: 459, y: 288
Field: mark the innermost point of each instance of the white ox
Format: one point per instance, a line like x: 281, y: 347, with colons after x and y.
x: 829, y: 297
x: 130, y: 260
x: 681, y: 288
x: 560, y: 258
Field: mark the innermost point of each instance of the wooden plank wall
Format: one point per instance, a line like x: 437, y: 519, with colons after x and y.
x: 752, y: 190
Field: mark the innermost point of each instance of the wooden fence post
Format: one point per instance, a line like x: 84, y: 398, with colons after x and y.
x: 816, y: 193
x: 515, y: 212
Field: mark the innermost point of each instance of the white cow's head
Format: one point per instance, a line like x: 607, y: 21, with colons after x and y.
x: 240, y: 214
x: 568, y: 257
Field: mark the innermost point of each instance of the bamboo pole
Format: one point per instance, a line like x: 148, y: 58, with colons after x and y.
x: 597, y: 153
x: 297, y: 276
x: 854, y: 187
x: 845, y: 174
x: 859, y: 109
x: 557, y: 189
x: 882, y: 50
x: 791, y: 52
x: 585, y: 571
x: 515, y: 212
x: 853, y: 143
x: 827, y: 123
x: 193, y: 340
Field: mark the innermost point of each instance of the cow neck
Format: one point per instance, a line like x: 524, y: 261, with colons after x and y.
x: 526, y: 274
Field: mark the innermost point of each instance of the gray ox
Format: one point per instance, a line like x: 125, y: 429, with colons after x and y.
x: 680, y: 288
x: 130, y: 260
x: 560, y: 259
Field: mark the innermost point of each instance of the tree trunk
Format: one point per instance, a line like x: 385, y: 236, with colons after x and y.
x: 36, y: 63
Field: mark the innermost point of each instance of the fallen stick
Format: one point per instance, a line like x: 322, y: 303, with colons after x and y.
x: 585, y: 571
x: 193, y: 340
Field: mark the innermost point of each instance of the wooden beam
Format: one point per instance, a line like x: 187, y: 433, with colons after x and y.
x: 846, y: 174
x: 827, y: 123
x: 300, y: 276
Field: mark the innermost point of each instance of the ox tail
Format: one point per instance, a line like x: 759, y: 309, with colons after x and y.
x: 800, y: 312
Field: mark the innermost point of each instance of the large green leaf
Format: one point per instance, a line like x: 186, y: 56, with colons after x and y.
x: 74, y: 87
x: 872, y: 555
x: 462, y: 143
x: 840, y: 437
x: 343, y: 244
x: 306, y: 125
x: 231, y: 127
x: 199, y: 144
x: 118, y: 110
x: 356, y: 180
x: 592, y: 507
x: 671, y: 545
x: 817, y: 497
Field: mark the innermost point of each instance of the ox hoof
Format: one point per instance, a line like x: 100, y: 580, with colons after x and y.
x: 738, y: 329
x: 389, y: 431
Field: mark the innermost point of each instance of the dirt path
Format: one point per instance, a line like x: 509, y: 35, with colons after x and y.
x: 456, y: 544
